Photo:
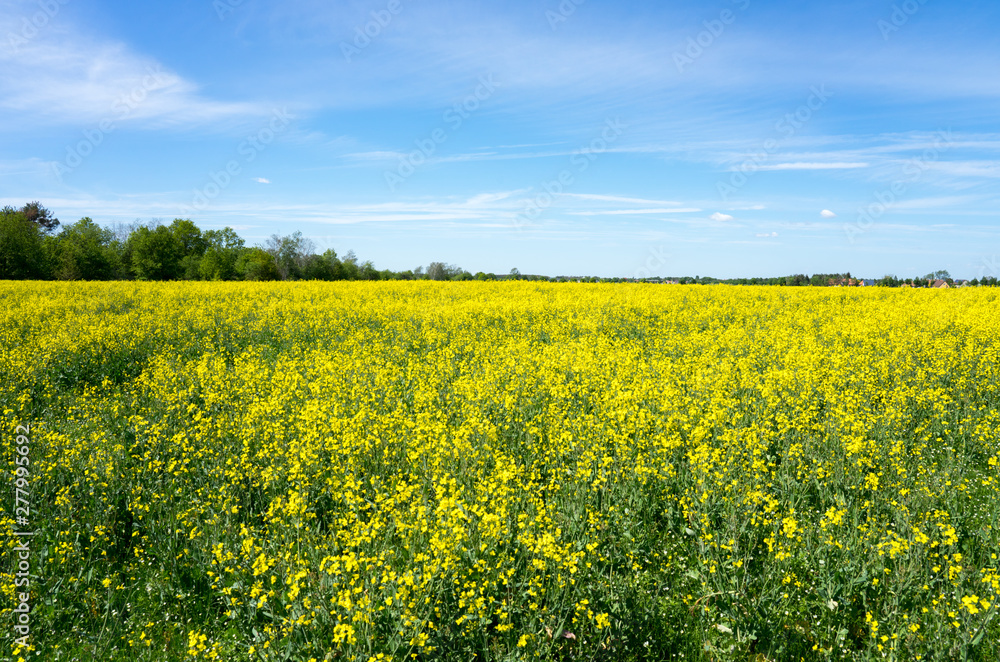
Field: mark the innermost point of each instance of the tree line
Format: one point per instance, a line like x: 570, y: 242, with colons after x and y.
x: 33, y: 245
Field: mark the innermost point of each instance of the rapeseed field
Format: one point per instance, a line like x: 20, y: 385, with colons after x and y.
x: 501, y: 471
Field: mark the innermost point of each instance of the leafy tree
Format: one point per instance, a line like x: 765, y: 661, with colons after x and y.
x: 21, y: 249
x: 222, y: 250
x: 324, y: 267
x: 318, y: 267
x: 189, y: 236
x: 889, y: 280
x: 156, y: 253
x: 257, y: 264
x: 193, y: 246
x: 367, y: 271
x: 85, y: 251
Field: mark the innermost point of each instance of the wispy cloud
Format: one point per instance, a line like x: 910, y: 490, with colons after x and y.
x: 812, y: 166
x: 971, y: 169
x: 628, y: 212
x: 62, y: 76
x: 618, y: 198
x: 487, y: 198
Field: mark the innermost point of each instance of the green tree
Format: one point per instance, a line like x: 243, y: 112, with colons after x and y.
x: 222, y: 251
x: 193, y: 246
x: 323, y: 267
x: 84, y: 251
x: 257, y: 264
x: 22, y: 255
x: 367, y: 271
x: 156, y: 253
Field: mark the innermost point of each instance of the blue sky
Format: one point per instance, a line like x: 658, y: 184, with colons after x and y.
x: 730, y: 138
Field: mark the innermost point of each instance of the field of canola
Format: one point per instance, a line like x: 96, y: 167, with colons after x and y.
x: 503, y: 471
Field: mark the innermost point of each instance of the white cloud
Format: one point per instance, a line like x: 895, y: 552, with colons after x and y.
x: 487, y: 198
x: 813, y: 166
x: 261, y: 180
x: 976, y: 169
x: 61, y: 76
x: 767, y: 234
x: 618, y: 198
x: 826, y: 213
x: 720, y: 217
x: 627, y: 212
x: 376, y: 155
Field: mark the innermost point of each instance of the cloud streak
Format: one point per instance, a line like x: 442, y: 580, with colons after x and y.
x: 775, y: 167
x: 62, y: 77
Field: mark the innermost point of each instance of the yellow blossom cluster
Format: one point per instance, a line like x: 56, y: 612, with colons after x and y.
x: 419, y: 470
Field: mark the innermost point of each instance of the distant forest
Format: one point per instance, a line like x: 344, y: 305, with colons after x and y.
x: 34, y: 246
